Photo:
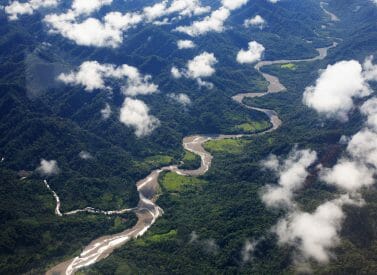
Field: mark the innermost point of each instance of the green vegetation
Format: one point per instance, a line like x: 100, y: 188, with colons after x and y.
x: 33, y: 237
x: 157, y: 161
x: 190, y: 157
x: 226, y: 146
x: 172, y: 182
x: 289, y: 66
x: 157, y: 238
x: 40, y: 118
x: 228, y: 208
x: 190, y: 161
x: 253, y: 127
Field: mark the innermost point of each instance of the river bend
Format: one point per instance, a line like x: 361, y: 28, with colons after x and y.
x: 147, y: 210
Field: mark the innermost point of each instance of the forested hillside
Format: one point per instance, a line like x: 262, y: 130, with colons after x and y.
x: 208, y: 221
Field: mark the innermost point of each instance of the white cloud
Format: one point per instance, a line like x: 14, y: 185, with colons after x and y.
x: 175, y: 72
x: 17, y: 8
x: 314, y: 234
x: 370, y: 69
x: 336, y: 88
x: 185, y: 44
x: 155, y: 11
x: 363, y: 147
x: 273, y: 1
x: 108, y: 31
x: 48, y: 168
x: 106, y: 112
x: 292, y: 173
x: 188, y: 7
x: 181, y: 98
x: 88, y: 7
x: 201, y: 66
x: 135, y: 113
x: 212, y: 23
x: 348, y: 175
x: 333, y: 95
x: 91, y: 31
x: 255, y: 21
x: 85, y: 155
x: 369, y: 109
x: 182, y: 7
x: 92, y: 75
x: 252, y: 54
x: 234, y: 4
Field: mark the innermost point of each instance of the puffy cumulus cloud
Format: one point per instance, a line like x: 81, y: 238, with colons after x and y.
x: 199, y: 67
x: 181, y: 98
x: 185, y: 44
x: 91, y: 31
x: 88, y: 7
x: 252, y: 54
x: 108, y: 31
x: 257, y: 21
x: 48, y: 168
x: 175, y: 72
x: 337, y: 87
x: 16, y: 8
x: 202, y: 65
x: 292, y: 173
x: 314, y: 234
x: 358, y: 167
x: 181, y: 7
x: 369, y: 109
x: 92, y: 75
x: 135, y: 113
x: 273, y: 1
x: 211, y: 23
x: 234, y: 4
x: 363, y: 147
x: 106, y: 112
x: 348, y: 175
x: 370, y: 69
x: 155, y: 11
x: 188, y: 7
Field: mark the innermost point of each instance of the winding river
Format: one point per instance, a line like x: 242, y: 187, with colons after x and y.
x: 147, y: 210
x: 332, y: 16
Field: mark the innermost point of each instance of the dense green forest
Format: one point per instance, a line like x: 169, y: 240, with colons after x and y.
x: 207, y: 219
x: 225, y: 209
